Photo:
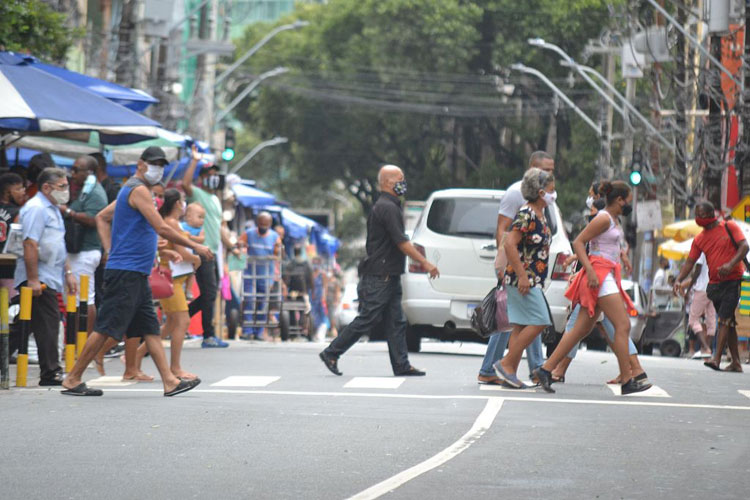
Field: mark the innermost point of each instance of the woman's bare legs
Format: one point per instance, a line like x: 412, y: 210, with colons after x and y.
x: 614, y: 308
x: 520, y: 338
x: 176, y: 326
x: 582, y: 327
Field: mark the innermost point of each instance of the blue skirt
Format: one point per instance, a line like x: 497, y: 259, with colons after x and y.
x: 530, y: 309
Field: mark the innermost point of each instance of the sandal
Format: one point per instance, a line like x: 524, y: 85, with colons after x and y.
x: 712, y: 365
x: 183, y: 386
x: 733, y: 368
x: 82, y: 390
x: 557, y: 380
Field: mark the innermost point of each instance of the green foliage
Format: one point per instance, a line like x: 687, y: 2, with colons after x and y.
x: 368, y: 79
x: 32, y: 26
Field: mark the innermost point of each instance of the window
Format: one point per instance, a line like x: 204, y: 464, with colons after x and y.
x: 464, y: 217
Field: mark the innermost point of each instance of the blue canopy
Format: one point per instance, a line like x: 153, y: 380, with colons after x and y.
x: 137, y: 100
x: 35, y: 101
x: 250, y: 196
x: 296, y: 225
x: 22, y: 156
x: 325, y: 243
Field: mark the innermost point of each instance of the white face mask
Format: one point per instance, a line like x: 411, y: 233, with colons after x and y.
x: 549, y: 198
x: 589, y: 202
x: 60, y: 197
x: 153, y: 174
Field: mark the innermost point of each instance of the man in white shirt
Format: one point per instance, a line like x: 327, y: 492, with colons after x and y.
x: 701, y: 306
x: 661, y: 292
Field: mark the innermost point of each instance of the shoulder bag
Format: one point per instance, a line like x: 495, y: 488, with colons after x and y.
x: 160, y: 281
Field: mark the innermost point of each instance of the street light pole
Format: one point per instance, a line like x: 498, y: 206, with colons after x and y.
x: 244, y: 57
x: 268, y: 74
x: 257, y: 149
x: 525, y: 69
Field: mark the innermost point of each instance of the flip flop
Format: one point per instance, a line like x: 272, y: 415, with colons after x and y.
x: 712, y: 365
x: 557, y: 380
x: 82, y: 390
x: 138, y: 378
x: 183, y: 386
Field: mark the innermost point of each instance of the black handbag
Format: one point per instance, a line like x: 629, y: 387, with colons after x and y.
x: 483, y: 317
x: 74, y: 233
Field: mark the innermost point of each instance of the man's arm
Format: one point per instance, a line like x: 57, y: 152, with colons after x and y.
x: 503, y: 223
x: 408, y: 249
x: 187, y: 179
x: 104, y: 226
x: 140, y: 199
x: 31, y: 260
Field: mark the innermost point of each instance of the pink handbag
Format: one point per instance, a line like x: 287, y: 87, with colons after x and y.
x: 501, y: 310
x: 160, y: 281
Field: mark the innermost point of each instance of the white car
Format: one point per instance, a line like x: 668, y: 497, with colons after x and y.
x: 348, y: 307
x: 456, y: 231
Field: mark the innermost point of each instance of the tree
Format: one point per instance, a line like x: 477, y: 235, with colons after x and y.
x: 414, y: 83
x: 31, y: 26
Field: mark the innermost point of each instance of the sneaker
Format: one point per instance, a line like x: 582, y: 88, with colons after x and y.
x: 510, y: 379
x: 634, y: 386
x: 545, y: 379
x: 213, y: 342
x: 115, y: 351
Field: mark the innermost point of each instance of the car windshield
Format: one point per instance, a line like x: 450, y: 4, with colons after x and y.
x: 464, y: 217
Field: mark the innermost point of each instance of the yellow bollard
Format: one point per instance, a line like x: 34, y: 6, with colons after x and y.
x: 22, y: 363
x: 4, y: 340
x: 70, y: 334
x: 83, y: 309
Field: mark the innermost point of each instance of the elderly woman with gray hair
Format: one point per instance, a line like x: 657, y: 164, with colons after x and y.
x: 527, y: 247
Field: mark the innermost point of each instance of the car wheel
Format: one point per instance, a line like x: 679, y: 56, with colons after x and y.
x: 233, y: 323
x: 284, y: 325
x: 670, y: 348
x: 413, y: 339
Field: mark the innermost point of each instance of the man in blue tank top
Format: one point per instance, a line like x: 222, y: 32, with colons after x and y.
x: 128, y: 229
x: 262, y: 241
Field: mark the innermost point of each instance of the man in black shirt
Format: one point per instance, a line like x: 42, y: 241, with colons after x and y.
x: 380, y: 272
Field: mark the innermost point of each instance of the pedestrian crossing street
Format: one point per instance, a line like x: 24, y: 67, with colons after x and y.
x: 384, y: 383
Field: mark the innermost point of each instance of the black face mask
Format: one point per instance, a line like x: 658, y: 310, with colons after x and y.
x: 627, y: 209
x: 262, y: 230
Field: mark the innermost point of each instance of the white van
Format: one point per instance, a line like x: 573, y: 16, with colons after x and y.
x: 456, y: 232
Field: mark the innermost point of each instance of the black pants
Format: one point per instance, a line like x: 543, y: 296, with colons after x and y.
x: 380, y: 300
x: 45, y: 324
x: 207, y: 279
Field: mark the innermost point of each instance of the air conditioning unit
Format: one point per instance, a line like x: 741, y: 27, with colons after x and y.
x: 652, y: 42
x: 158, y: 15
x: 716, y: 13
x: 632, y: 61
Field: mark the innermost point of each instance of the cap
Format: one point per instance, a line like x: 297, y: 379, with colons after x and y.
x: 154, y: 155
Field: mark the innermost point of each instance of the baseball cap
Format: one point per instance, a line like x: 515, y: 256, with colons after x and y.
x: 154, y: 155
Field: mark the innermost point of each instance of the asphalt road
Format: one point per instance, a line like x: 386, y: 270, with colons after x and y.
x: 269, y: 421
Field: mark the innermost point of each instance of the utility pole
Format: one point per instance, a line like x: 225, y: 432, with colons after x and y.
x: 743, y: 156
x: 679, y: 170
x: 714, y: 144
x: 201, y: 117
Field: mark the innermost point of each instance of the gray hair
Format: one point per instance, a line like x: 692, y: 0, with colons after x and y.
x: 535, y: 180
x: 538, y: 156
x: 50, y: 175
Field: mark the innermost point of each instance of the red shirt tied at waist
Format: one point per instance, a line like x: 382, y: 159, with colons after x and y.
x: 719, y: 250
x: 579, y: 291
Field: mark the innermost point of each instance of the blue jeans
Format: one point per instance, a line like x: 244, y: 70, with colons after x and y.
x: 609, y: 329
x: 496, y: 350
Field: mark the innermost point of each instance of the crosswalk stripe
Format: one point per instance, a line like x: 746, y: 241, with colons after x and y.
x: 245, y: 381
x: 113, y: 381
x: 487, y: 387
x: 654, y: 392
x: 374, y: 383
x: 744, y: 393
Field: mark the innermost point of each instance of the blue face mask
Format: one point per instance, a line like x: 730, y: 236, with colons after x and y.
x: 88, y: 185
x: 400, y: 188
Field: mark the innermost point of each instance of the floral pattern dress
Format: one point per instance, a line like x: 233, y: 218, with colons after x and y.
x: 533, y: 247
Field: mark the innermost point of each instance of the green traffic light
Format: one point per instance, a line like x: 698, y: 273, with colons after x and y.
x: 227, y: 155
x: 635, y: 177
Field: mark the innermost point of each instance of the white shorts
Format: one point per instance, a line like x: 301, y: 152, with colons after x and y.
x: 609, y: 286
x: 85, y: 263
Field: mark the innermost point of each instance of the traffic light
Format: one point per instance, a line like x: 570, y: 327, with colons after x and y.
x: 635, y: 169
x: 228, y: 153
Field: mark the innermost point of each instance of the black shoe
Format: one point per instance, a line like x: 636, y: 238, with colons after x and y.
x: 642, y: 378
x: 545, y: 379
x: 330, y: 362
x: 411, y: 372
x: 57, y: 380
x: 633, y: 386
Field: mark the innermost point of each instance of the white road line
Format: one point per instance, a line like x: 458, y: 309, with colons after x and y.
x: 487, y: 387
x: 245, y: 381
x: 113, y: 381
x: 744, y: 393
x: 374, y: 383
x: 542, y: 399
x: 481, y: 424
x: 653, y: 392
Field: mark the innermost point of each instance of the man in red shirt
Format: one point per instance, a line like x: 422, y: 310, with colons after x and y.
x: 725, y: 248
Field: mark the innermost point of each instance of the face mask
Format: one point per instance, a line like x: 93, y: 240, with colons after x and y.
x: 705, y: 221
x: 153, y: 174
x: 262, y: 230
x: 627, y: 209
x: 589, y: 202
x: 549, y: 198
x: 88, y: 185
x: 60, y: 197
x: 400, y: 188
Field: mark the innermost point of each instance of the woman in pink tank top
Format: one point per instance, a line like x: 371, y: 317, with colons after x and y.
x: 597, y: 287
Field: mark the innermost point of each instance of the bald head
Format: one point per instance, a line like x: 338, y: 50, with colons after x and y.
x: 388, y: 176
x: 263, y: 222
